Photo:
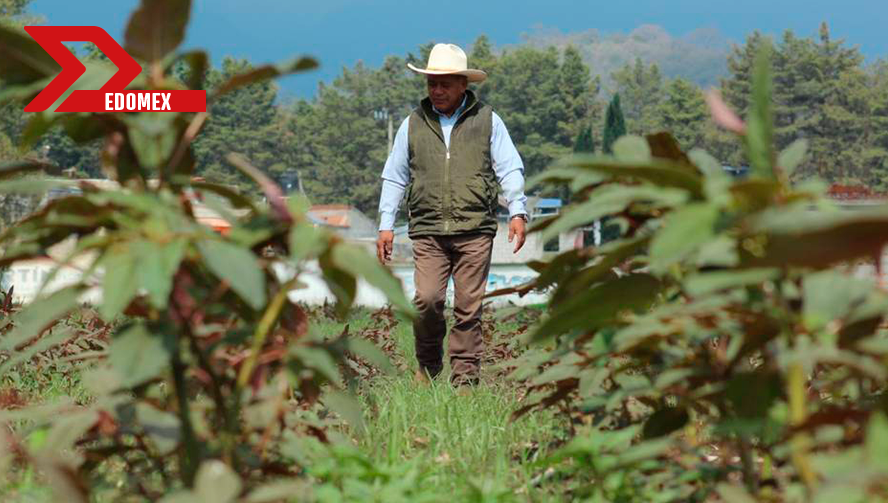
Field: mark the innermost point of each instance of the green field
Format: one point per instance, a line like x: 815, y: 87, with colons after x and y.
x: 429, y: 443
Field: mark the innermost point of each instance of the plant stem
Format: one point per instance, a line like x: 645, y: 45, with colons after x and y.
x: 227, y: 420
x: 800, y: 442
x: 189, y: 457
x: 746, y: 458
x: 269, y: 317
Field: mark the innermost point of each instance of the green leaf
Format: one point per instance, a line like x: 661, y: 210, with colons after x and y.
x: 610, y: 200
x: 357, y: 262
x: 644, y: 450
x: 821, y: 239
x: 733, y: 494
x: 664, y: 146
x: 347, y: 406
x: 578, y: 178
x: 306, y: 241
x: 137, y: 355
x: 612, y: 253
x: 665, y: 421
x: 283, y: 490
x: 238, y: 267
x: 320, y: 360
x: 342, y: 284
x: 181, y: 497
x: 704, y: 283
x: 216, y: 482
x: 67, y: 429
x: 793, y: 156
x: 658, y: 172
x: 263, y: 73
x: 684, y: 231
x: 31, y: 186
x: 372, y: 353
x: 831, y: 295
x: 162, y: 428
x: 39, y: 315
x: 157, y: 266
x: 752, y: 393
x: 153, y: 137
x: 22, y: 59
x: 632, y: 149
x: 9, y: 169
x: 760, y: 123
x: 157, y: 28
x: 877, y: 441
x: 197, y: 63
x: 119, y: 283
x: 600, y: 305
x: 235, y: 198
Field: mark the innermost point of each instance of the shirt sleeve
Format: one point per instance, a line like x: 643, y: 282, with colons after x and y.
x: 508, y: 167
x: 395, y: 178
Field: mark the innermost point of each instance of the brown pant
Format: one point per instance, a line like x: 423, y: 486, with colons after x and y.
x: 467, y: 258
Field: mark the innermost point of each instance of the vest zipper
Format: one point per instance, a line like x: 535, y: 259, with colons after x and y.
x: 447, y: 189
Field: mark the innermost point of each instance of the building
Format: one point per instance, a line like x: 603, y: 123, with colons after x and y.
x: 534, y: 247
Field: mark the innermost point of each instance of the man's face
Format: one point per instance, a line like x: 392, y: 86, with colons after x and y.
x: 446, y: 91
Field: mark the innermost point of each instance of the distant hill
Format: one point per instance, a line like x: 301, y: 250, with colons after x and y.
x: 699, y: 56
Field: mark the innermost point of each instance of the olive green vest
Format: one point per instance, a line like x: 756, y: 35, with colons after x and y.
x: 451, y: 191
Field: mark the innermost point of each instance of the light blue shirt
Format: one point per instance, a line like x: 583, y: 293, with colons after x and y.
x: 506, y: 164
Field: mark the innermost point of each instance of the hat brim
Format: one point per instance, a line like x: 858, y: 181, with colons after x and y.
x: 472, y: 75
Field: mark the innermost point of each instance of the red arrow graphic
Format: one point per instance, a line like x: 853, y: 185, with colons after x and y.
x: 51, y: 38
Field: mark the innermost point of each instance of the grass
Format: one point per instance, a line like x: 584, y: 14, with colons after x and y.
x: 465, y: 443
x: 459, y: 446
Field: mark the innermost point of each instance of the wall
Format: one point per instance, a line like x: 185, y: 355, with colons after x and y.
x: 315, y: 291
x: 28, y: 277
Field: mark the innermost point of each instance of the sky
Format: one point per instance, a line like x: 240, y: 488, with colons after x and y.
x: 342, y: 32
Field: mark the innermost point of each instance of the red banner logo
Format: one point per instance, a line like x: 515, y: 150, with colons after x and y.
x: 111, y: 97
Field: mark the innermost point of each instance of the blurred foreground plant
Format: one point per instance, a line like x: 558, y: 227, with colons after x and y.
x: 212, y: 364
x: 724, y: 344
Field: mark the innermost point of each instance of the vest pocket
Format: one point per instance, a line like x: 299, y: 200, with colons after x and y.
x: 474, y: 198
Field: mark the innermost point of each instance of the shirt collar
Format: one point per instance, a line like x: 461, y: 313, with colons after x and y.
x: 455, y: 112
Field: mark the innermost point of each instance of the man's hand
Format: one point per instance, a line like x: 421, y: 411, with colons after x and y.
x: 384, y: 246
x: 517, y: 232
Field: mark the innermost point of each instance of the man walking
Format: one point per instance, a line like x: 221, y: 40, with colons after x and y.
x: 448, y: 156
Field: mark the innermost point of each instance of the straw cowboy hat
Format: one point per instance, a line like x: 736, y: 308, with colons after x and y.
x: 449, y: 59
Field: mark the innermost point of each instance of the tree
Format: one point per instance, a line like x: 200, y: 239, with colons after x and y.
x: 641, y: 88
x: 578, y: 92
x: 837, y: 124
x: 483, y: 58
x: 243, y: 121
x: 614, y: 125
x: 878, y: 124
x: 741, y: 62
x: 339, y: 140
x: 526, y: 93
x: 683, y: 112
x: 585, y: 142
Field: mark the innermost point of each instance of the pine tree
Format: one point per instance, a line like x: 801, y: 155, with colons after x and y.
x: 641, y: 88
x: 244, y: 121
x: 736, y: 88
x: 684, y: 114
x: 584, y: 142
x: 525, y: 92
x: 614, y: 125
x: 577, y: 92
